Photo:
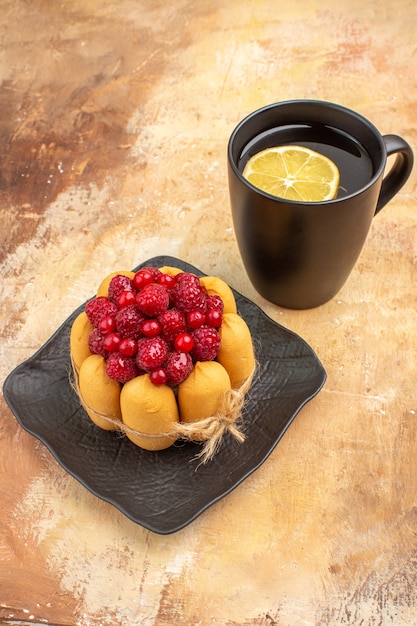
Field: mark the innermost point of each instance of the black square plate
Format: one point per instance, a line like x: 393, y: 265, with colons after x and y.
x: 164, y: 491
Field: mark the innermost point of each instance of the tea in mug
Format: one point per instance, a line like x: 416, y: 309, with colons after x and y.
x: 354, y: 163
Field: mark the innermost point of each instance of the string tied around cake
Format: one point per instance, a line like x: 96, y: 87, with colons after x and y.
x: 208, y: 431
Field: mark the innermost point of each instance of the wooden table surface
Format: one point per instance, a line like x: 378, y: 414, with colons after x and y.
x: 115, y: 118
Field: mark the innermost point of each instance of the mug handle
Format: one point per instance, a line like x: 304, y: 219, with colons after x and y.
x: 399, y: 172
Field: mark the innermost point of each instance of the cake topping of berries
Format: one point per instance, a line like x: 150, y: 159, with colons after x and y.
x: 155, y: 323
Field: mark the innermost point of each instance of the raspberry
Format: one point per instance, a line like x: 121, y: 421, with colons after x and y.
x: 215, y: 302
x: 188, y: 296
x: 118, y: 284
x: 154, y: 271
x: 121, y: 368
x: 178, y: 367
x: 153, y: 300
x: 98, y: 308
x: 152, y: 353
x: 187, y: 277
x: 96, y: 342
x: 173, y: 323
x: 206, y: 344
x: 128, y: 322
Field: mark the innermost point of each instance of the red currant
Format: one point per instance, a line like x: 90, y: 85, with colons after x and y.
x: 166, y: 280
x: 151, y: 328
x: 128, y: 347
x: 214, y: 318
x: 142, y: 278
x: 107, y: 325
x: 112, y: 342
x: 195, y: 319
x: 126, y: 298
x: 183, y: 342
x: 159, y: 376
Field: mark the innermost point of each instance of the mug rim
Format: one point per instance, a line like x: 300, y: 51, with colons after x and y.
x: 288, y: 103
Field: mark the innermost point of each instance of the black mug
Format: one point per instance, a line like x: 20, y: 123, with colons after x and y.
x: 299, y: 254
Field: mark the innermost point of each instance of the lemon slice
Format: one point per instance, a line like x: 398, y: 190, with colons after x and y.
x: 293, y: 173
